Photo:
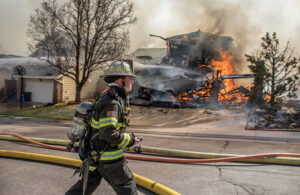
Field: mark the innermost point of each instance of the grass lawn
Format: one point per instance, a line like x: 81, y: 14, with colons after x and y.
x: 53, y: 112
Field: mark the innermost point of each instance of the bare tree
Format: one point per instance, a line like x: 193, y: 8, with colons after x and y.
x: 278, y: 67
x: 79, y: 36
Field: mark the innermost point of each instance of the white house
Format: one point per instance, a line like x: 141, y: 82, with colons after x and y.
x: 42, y: 83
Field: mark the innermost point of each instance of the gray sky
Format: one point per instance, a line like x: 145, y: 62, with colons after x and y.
x: 245, y: 20
x: 14, y: 17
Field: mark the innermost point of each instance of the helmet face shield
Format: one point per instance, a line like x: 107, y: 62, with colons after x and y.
x: 119, y: 68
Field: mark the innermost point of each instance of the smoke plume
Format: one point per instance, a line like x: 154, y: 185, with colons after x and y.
x: 245, y: 21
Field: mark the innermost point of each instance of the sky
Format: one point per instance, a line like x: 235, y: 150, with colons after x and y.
x: 246, y: 21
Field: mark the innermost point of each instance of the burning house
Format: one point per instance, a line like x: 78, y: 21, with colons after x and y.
x: 196, y: 69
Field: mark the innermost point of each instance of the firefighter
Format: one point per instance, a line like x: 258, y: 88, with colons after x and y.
x: 108, y: 125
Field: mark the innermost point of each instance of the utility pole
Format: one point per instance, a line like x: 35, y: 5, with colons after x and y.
x: 20, y: 70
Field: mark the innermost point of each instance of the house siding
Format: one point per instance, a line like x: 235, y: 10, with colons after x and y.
x: 89, y: 90
x: 91, y: 87
x: 68, y: 89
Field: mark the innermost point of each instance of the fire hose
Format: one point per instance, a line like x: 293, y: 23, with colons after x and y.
x: 140, y: 180
x: 292, y: 159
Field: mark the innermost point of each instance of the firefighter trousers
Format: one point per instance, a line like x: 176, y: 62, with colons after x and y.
x: 117, y: 174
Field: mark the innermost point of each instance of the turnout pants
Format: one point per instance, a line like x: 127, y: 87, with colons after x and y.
x: 117, y: 174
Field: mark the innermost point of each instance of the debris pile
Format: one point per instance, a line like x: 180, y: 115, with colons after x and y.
x: 196, y: 70
x: 286, y: 118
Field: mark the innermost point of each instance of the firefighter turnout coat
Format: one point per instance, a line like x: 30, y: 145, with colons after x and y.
x: 108, y: 139
x: 109, y: 123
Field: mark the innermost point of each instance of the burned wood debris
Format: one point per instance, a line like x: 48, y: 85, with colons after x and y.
x: 196, y: 70
x: 195, y: 49
x: 286, y: 118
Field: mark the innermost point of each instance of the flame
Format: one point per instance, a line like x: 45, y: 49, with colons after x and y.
x: 226, y: 68
x: 227, y: 94
x: 268, y: 98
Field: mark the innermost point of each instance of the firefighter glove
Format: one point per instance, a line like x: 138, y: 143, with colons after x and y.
x: 70, y: 146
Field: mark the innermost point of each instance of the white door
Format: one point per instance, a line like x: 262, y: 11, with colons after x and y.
x: 41, y: 90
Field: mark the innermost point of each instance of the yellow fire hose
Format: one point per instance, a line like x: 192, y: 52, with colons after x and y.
x: 140, y: 180
x: 178, y: 153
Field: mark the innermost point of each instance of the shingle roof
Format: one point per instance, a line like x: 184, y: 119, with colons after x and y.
x: 34, y: 67
x: 155, y: 54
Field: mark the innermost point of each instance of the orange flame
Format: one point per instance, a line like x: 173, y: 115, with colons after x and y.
x: 268, y: 98
x: 226, y: 68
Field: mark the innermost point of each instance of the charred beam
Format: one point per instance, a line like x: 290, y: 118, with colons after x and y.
x: 238, y: 76
x: 159, y: 37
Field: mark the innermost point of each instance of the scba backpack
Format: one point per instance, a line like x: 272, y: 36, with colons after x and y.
x: 79, y: 129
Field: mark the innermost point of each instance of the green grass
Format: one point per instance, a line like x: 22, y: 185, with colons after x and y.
x: 52, y: 112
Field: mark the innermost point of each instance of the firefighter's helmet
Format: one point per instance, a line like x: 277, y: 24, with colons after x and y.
x: 119, y: 68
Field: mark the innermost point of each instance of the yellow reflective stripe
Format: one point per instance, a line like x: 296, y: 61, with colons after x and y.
x: 119, y: 125
x: 125, y: 141
x: 95, y: 124
x: 94, y: 155
x: 120, y: 68
x: 91, y: 168
x: 127, y: 68
x: 108, y: 121
x: 112, y: 155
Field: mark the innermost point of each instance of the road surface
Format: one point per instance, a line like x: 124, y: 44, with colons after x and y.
x: 27, y: 177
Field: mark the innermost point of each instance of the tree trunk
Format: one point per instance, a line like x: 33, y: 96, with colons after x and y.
x: 78, y: 93
x: 257, y: 96
x: 272, y: 100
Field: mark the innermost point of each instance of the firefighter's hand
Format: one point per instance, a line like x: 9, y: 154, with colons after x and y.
x: 137, y: 144
x: 69, y: 147
x: 138, y: 139
x: 134, y: 140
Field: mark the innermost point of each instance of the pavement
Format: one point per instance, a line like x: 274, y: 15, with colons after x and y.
x: 229, y: 129
x: 223, y: 136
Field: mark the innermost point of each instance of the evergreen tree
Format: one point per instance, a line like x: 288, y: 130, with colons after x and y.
x: 276, y: 69
x: 258, y: 68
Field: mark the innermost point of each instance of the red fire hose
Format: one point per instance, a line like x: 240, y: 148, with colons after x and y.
x: 35, y: 142
x: 227, y: 159
x: 172, y: 160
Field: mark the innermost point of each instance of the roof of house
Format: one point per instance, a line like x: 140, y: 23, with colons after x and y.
x: 9, y: 56
x: 60, y: 38
x: 149, y: 55
x: 198, y: 35
x: 153, y: 52
x: 34, y: 67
